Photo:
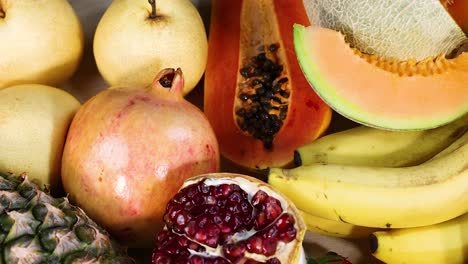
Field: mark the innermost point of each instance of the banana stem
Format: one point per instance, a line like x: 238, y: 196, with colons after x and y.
x: 153, y: 9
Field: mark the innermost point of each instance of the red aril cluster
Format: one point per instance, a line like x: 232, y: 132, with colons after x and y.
x: 223, y: 223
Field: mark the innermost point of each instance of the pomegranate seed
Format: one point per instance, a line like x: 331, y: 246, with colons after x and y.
x: 182, y: 219
x: 225, y: 229
x: 188, y: 205
x: 217, y: 219
x: 245, y: 207
x: 160, y: 258
x: 222, y: 191
x: 213, y: 230
x: 202, y: 221
x: 234, y: 252
x: 285, y: 221
x: 259, y: 197
x: 235, y: 209
x: 162, y: 236
x: 200, y: 236
x: 191, y: 229
x: 191, y: 191
x: 273, y: 261
x: 254, y: 245
x: 235, y: 197
x: 212, y: 215
x: 260, y: 222
x: 196, y: 260
x: 210, y: 200
x: 273, y: 210
x: 271, y: 232
x: 289, y: 235
x: 269, y: 246
x: 203, y: 188
x: 198, y: 199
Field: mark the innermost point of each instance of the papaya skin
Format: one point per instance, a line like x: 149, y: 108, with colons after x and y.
x: 458, y: 9
x: 308, y: 116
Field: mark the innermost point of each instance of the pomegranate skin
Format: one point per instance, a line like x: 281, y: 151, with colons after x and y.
x: 129, y: 150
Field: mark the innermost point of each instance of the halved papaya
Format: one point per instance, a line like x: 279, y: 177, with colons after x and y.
x: 378, y: 92
x: 255, y: 95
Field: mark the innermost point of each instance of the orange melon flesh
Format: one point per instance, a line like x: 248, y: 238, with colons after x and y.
x: 378, y: 97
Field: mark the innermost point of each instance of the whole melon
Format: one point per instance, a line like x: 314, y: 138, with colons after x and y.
x: 34, y: 121
x: 402, y: 30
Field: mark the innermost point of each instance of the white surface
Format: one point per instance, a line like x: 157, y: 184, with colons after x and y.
x: 87, y: 82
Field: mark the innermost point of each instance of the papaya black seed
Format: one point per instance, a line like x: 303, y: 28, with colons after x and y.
x: 245, y: 71
x: 282, y: 115
x: 265, y: 100
x: 256, y: 82
x: 254, y: 97
x: 269, y: 94
x: 267, y: 85
x: 278, y: 69
x: 285, y: 94
x: 268, y: 65
x: 276, y: 88
x: 240, y: 112
x: 261, y: 56
x: 273, y: 47
x: 267, y: 76
x: 264, y: 116
x: 260, y: 90
x: 254, y: 109
x: 258, y: 72
x: 244, y: 97
x: 283, y: 80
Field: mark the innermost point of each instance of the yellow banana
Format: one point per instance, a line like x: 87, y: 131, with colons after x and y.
x: 332, y: 228
x: 444, y: 243
x: 430, y: 193
x: 381, y: 148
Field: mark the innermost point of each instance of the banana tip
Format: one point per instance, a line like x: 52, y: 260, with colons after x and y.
x: 297, y: 158
x: 373, y: 243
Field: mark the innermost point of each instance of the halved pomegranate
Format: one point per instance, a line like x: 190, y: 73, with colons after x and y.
x: 229, y: 218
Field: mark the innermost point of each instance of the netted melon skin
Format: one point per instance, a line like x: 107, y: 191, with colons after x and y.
x: 401, y: 30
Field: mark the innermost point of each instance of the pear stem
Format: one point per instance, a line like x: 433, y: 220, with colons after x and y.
x: 153, y: 9
x: 2, y: 13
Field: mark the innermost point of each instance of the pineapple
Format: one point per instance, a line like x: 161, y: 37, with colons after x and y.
x: 38, y: 228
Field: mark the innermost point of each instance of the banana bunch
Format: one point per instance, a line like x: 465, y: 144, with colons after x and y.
x: 414, y: 187
x: 368, y: 146
x: 446, y: 242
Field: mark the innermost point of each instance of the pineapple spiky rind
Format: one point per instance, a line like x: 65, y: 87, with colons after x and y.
x: 38, y: 228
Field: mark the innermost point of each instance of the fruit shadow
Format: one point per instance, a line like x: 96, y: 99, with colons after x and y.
x: 355, y: 250
x: 87, y: 81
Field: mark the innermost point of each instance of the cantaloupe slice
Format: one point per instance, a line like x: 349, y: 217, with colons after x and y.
x: 378, y: 92
x: 402, y: 29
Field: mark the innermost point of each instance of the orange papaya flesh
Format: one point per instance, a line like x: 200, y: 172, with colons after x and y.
x: 458, y: 9
x: 255, y: 95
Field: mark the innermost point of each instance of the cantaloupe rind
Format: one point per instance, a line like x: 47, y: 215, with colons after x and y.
x: 402, y: 103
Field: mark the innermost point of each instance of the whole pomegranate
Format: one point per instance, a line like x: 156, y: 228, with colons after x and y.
x: 129, y: 150
x: 225, y: 218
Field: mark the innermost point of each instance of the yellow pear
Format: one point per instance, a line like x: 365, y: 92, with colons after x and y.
x: 34, y: 120
x: 135, y: 39
x: 41, y: 41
